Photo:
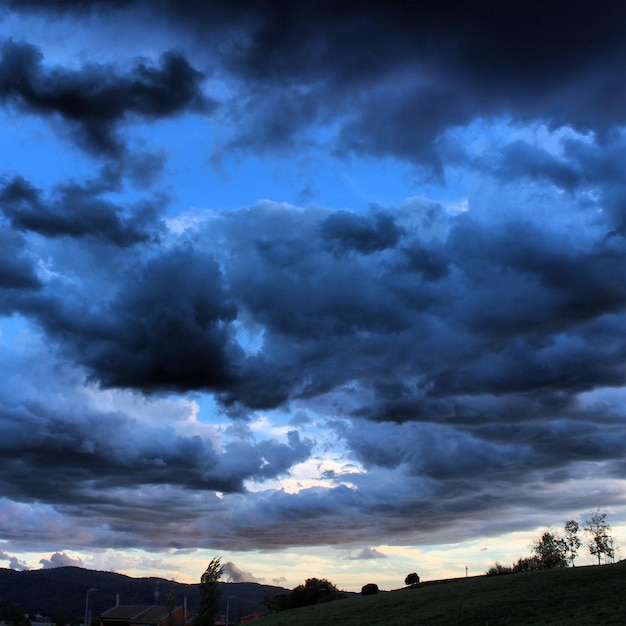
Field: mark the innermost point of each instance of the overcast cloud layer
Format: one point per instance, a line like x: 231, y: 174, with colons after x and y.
x: 169, y: 358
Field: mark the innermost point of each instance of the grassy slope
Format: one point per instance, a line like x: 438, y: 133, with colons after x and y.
x: 581, y: 595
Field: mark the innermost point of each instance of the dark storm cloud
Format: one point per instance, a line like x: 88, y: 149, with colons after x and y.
x: 88, y: 455
x: 390, y: 78
x: 526, y: 266
x: 600, y: 163
x: 511, y: 447
x: 346, y: 231
x: 16, y: 270
x: 536, y: 316
x: 430, y: 263
x: 521, y: 159
x: 413, y: 513
x: 76, y: 210
x: 97, y: 99
x: 167, y: 328
x: 412, y: 71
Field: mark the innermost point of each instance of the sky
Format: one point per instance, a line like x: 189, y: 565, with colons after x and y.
x: 327, y: 289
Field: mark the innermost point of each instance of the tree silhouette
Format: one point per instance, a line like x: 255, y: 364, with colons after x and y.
x: 315, y: 591
x: 601, y: 541
x: 571, y: 539
x: 412, y: 579
x: 551, y: 551
x: 209, y: 606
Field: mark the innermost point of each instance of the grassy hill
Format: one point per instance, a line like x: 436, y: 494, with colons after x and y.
x: 581, y: 596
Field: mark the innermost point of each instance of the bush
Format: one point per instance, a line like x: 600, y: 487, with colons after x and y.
x: 315, y: 591
x: 412, y: 579
x: 370, y: 589
x: 528, y: 564
x: 497, y: 569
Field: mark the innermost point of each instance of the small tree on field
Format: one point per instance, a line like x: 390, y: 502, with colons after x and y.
x: 551, y: 551
x: 571, y: 539
x: 209, y: 607
x: 600, y: 539
x: 371, y: 589
x: 412, y: 579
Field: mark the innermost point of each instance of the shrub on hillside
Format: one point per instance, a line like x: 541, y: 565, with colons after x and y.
x: 528, y: 564
x: 497, y: 569
x: 315, y: 591
x: 369, y: 590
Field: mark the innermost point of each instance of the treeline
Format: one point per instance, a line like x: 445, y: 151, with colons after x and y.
x: 560, y: 549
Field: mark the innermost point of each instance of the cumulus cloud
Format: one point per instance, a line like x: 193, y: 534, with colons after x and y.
x: 14, y: 562
x: 369, y: 553
x: 234, y: 574
x: 347, y: 231
x: 60, y: 559
x: 17, y: 271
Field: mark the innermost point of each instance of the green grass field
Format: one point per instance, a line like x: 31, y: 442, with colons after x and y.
x: 582, y: 595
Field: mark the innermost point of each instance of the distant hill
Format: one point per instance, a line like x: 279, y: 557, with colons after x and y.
x: 60, y: 593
